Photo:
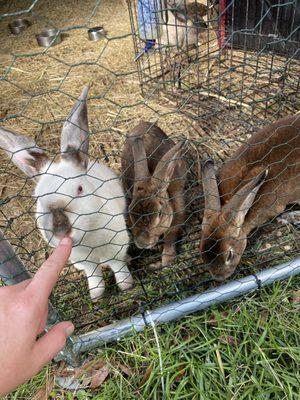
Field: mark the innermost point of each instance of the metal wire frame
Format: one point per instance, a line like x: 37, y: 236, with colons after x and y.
x: 227, y: 65
x: 171, y: 283
x: 203, y: 103
x: 180, y: 286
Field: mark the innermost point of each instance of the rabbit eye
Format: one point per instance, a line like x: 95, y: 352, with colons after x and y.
x: 80, y: 189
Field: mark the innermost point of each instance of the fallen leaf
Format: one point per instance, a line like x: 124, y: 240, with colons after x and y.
x: 180, y: 375
x: 126, y: 370
x: 40, y: 394
x: 66, y: 372
x: 227, y: 339
x: 263, y: 317
x: 59, y: 367
x: 44, y: 392
x: 214, y: 320
x: 69, y: 383
x: 189, y: 337
x: 83, y: 377
x: 146, y: 375
x: 3, y: 114
x: 295, y: 297
x: 237, y: 309
x: 89, y: 366
x: 99, y: 377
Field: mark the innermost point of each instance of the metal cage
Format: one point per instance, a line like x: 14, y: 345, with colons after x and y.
x: 239, y: 71
x: 239, y: 55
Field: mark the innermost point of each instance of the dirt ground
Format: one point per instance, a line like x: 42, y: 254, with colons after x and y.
x: 38, y: 87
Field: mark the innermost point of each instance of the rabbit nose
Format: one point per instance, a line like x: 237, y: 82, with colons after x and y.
x: 143, y: 243
x: 61, y: 223
x: 222, y: 275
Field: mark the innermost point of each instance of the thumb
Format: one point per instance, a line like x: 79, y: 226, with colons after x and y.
x: 49, y: 345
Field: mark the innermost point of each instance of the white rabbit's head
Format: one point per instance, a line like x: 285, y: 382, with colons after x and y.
x: 65, y: 195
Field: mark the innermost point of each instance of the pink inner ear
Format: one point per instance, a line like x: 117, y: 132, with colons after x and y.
x: 21, y: 158
x: 24, y: 161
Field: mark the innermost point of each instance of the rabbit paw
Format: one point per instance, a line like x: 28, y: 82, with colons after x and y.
x: 96, y: 294
x: 168, y: 257
x: 155, y: 265
x: 127, y: 283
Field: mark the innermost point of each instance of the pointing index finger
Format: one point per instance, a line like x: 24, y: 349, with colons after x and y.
x: 47, y: 275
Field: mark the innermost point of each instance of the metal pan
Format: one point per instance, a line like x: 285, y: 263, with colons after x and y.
x: 49, y: 37
x: 18, y: 25
x: 96, y: 33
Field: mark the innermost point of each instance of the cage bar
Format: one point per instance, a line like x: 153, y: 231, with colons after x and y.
x: 179, y: 309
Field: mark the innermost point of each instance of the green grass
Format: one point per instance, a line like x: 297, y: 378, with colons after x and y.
x: 261, y: 362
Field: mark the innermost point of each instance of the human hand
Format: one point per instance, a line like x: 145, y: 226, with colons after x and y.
x: 23, y: 316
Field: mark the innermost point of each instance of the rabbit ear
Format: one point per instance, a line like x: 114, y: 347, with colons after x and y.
x: 141, y: 170
x: 239, y: 205
x: 210, y: 188
x: 75, y: 132
x: 23, y: 151
x: 164, y: 170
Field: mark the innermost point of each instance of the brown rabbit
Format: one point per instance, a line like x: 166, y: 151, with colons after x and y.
x: 154, y: 175
x: 255, y: 185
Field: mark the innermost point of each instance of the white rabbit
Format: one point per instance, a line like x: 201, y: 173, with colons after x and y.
x: 183, y: 24
x: 78, y: 198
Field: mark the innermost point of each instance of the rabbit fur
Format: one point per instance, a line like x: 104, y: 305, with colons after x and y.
x: 183, y: 25
x: 154, y: 176
x: 78, y: 198
x: 254, y: 185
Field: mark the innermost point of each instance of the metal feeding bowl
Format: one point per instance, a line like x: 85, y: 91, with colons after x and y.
x: 49, y: 37
x: 96, y: 33
x: 18, y: 25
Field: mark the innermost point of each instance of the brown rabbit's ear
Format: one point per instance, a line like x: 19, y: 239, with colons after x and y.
x: 75, y: 132
x: 23, y: 151
x: 239, y: 205
x: 141, y: 170
x: 210, y: 188
x: 164, y: 170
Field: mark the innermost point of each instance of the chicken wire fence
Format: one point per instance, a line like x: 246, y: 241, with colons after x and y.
x: 211, y: 74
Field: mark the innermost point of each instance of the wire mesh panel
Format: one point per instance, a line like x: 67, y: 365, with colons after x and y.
x: 215, y: 55
x: 265, y: 25
x: 78, y: 157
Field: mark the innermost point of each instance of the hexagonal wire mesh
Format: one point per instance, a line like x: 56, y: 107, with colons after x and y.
x: 209, y: 79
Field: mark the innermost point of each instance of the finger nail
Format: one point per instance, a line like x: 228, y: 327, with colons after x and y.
x: 69, y: 329
x: 65, y: 241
